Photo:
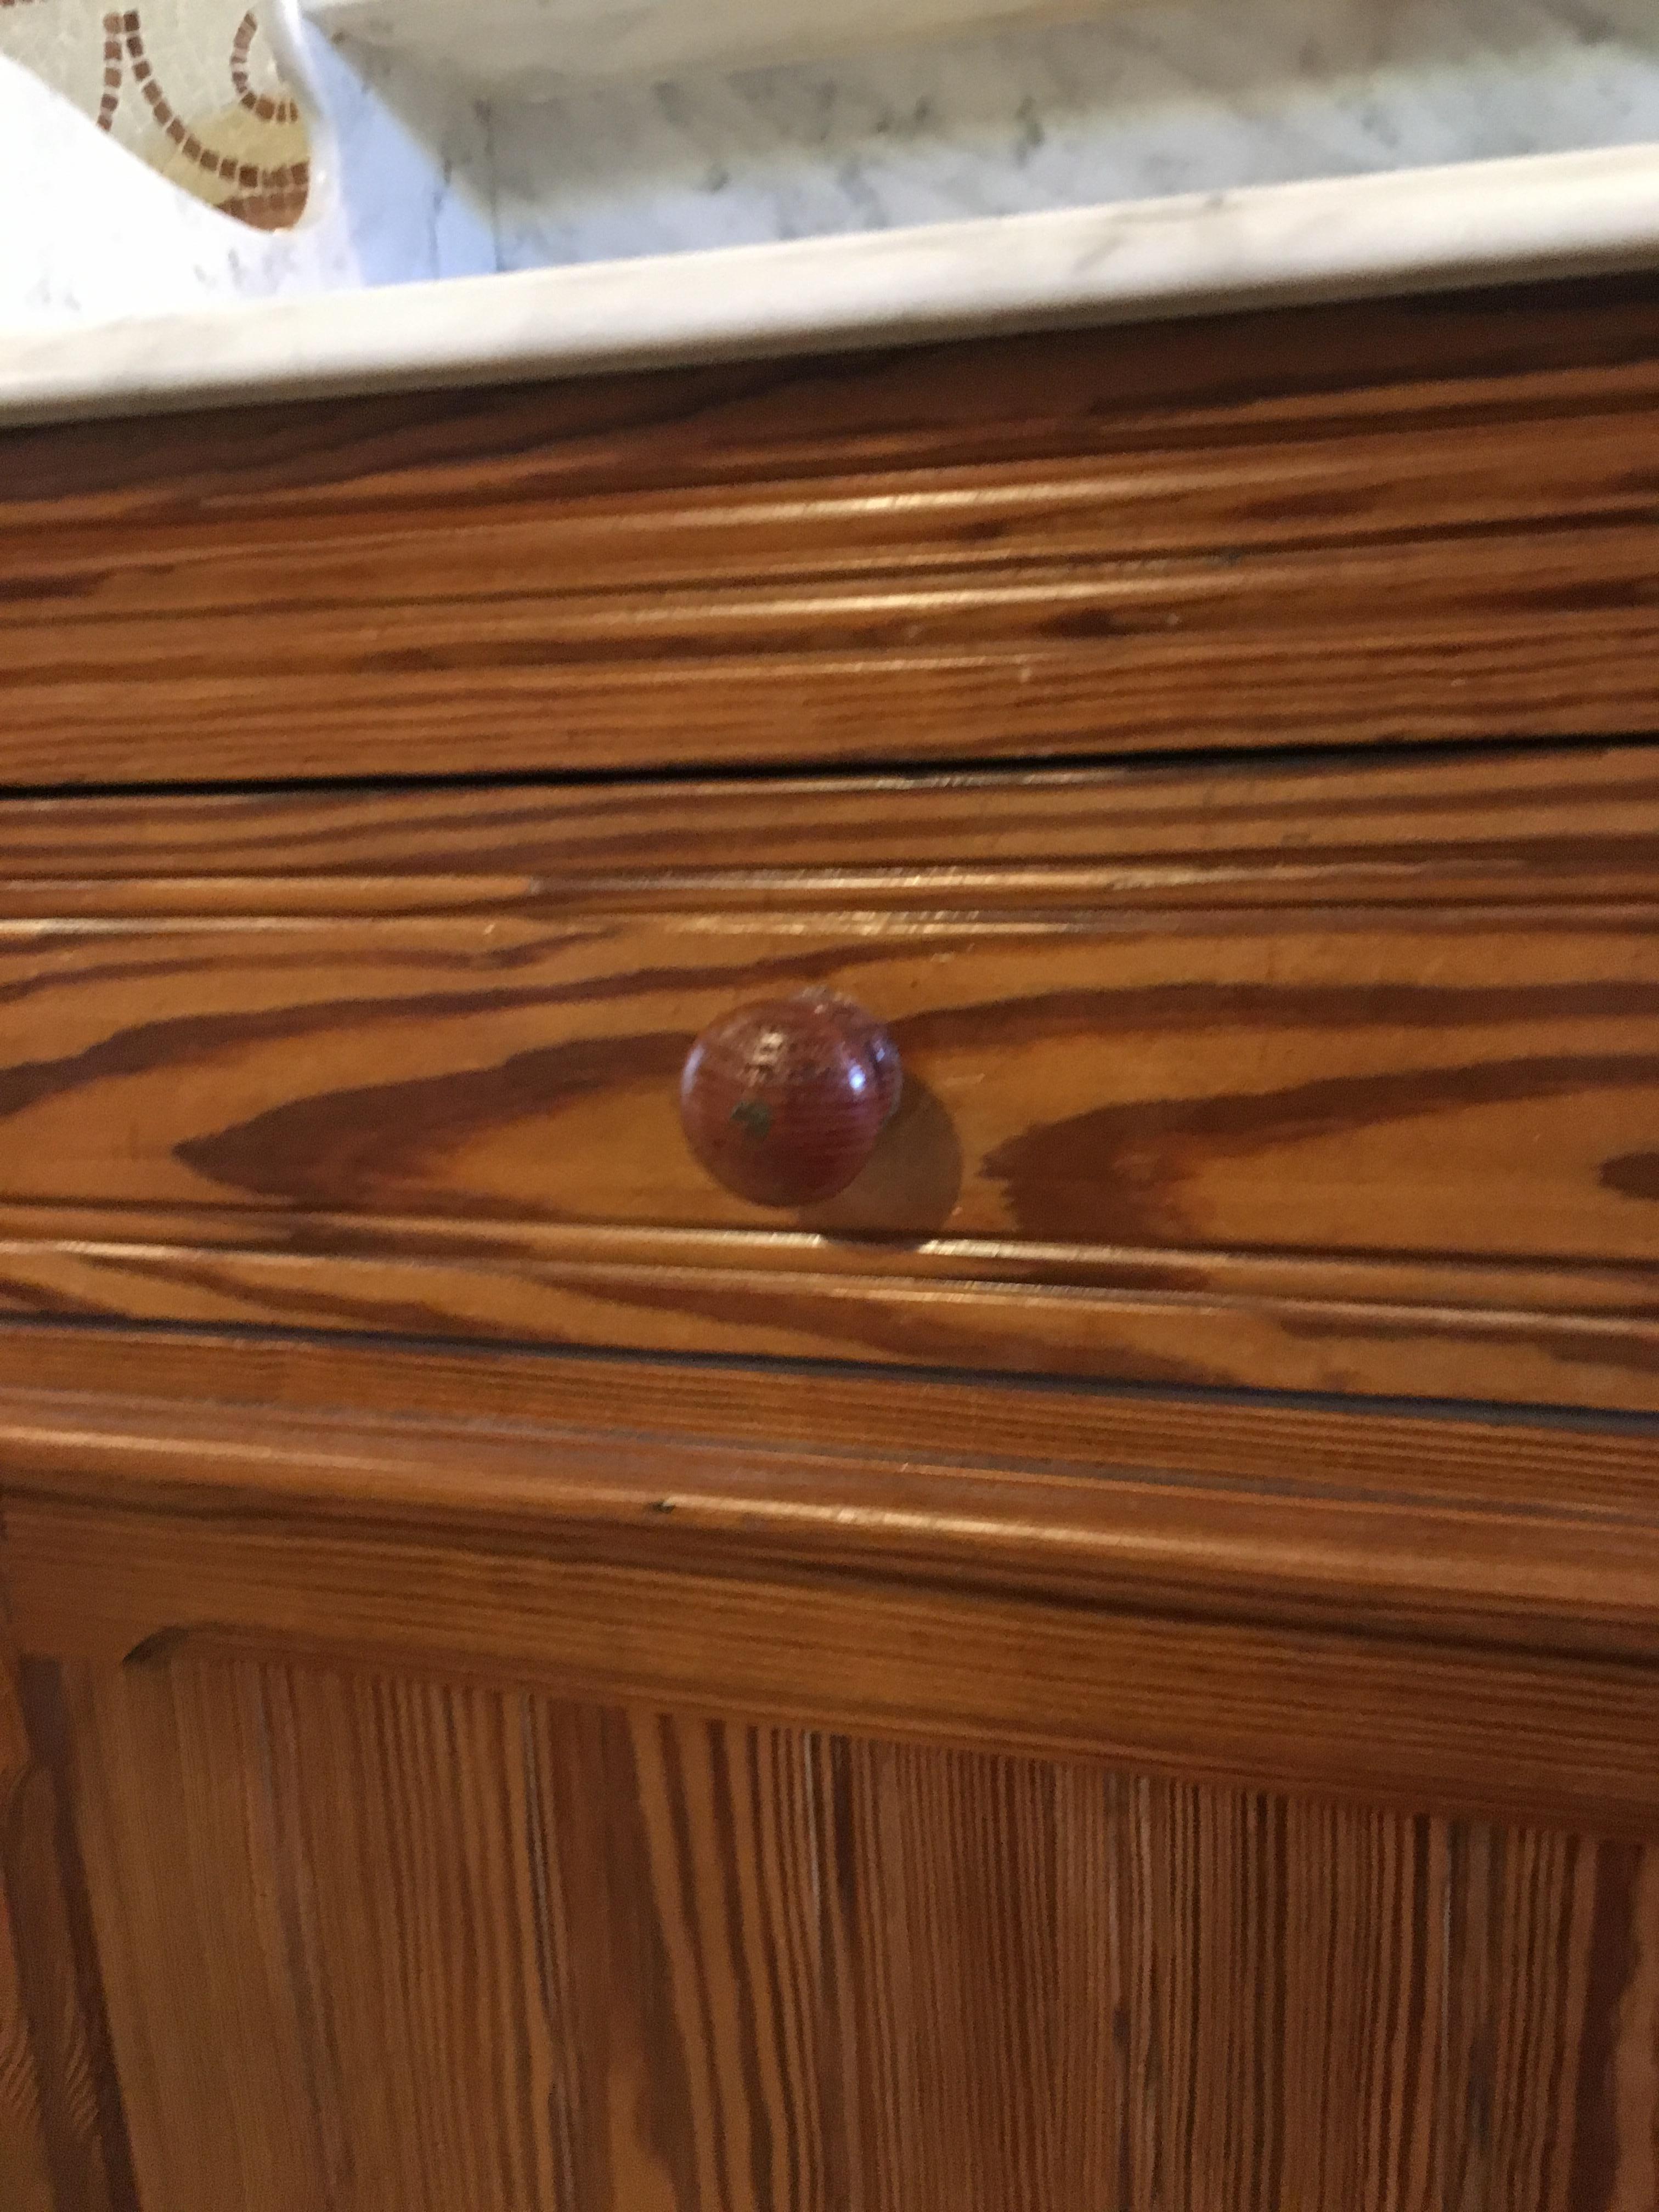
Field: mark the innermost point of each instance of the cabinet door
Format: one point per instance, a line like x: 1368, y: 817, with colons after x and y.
x: 61, y: 2140
x: 369, y: 1940
x: 1239, y: 1806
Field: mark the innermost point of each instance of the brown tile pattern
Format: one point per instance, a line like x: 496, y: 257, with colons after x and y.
x: 213, y: 114
x: 270, y: 199
x: 110, y: 101
x: 260, y: 103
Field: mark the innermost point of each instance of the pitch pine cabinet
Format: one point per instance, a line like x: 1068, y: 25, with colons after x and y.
x: 827, y: 1207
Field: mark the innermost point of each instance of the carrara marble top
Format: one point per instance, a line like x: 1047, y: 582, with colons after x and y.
x: 1401, y: 231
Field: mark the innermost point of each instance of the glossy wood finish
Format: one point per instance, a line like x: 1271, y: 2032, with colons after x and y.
x: 1495, y: 1456
x: 1427, y: 519
x: 404, y: 1892
x: 784, y: 1100
x: 1504, y: 827
x: 374, y: 1942
x: 1327, y: 1078
x: 62, y: 2140
x: 440, y: 1767
x: 25, y: 2159
x: 1461, y: 1615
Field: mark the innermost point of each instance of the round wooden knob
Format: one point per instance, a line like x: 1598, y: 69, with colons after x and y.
x: 783, y: 1101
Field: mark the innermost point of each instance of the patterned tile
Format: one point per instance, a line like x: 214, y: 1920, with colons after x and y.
x: 191, y: 87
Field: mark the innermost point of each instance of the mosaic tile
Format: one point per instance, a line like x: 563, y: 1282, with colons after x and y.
x: 194, y: 87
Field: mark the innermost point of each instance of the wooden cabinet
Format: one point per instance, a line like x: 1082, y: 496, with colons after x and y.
x: 814, y: 1792
x: 425, y: 1943
x: 1113, y: 1663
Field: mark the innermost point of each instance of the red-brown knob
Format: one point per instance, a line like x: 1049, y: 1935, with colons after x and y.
x: 783, y: 1101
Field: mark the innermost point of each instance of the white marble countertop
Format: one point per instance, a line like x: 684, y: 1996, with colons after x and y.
x: 1401, y: 231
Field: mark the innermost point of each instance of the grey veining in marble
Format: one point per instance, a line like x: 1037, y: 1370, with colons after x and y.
x: 408, y: 182
x: 417, y: 180
x: 1144, y: 101
x: 535, y: 46
x: 1540, y: 215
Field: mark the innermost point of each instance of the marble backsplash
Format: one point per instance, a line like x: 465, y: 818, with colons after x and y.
x: 413, y: 179
x: 1148, y: 100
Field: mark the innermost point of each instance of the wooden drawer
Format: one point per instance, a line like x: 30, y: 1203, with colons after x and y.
x: 1338, y: 1079
x: 1372, y: 523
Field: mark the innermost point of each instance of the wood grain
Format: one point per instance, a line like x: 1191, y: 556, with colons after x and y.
x: 528, y: 1778
x: 1429, y: 1629
x: 1426, y: 519
x: 1496, y: 1533
x: 879, y: 1932
x: 1509, y: 826
x: 1327, y: 1078
x: 181, y: 1384
x: 25, y: 2160
x: 1429, y: 1085
x: 62, y: 2137
x: 372, y: 1942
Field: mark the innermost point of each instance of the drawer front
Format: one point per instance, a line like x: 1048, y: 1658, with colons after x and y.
x: 1365, y: 523
x: 1343, y: 1082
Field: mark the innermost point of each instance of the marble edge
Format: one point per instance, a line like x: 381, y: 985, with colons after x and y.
x: 1401, y: 231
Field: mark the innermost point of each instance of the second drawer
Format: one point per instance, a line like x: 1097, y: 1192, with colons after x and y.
x: 1362, y: 1063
